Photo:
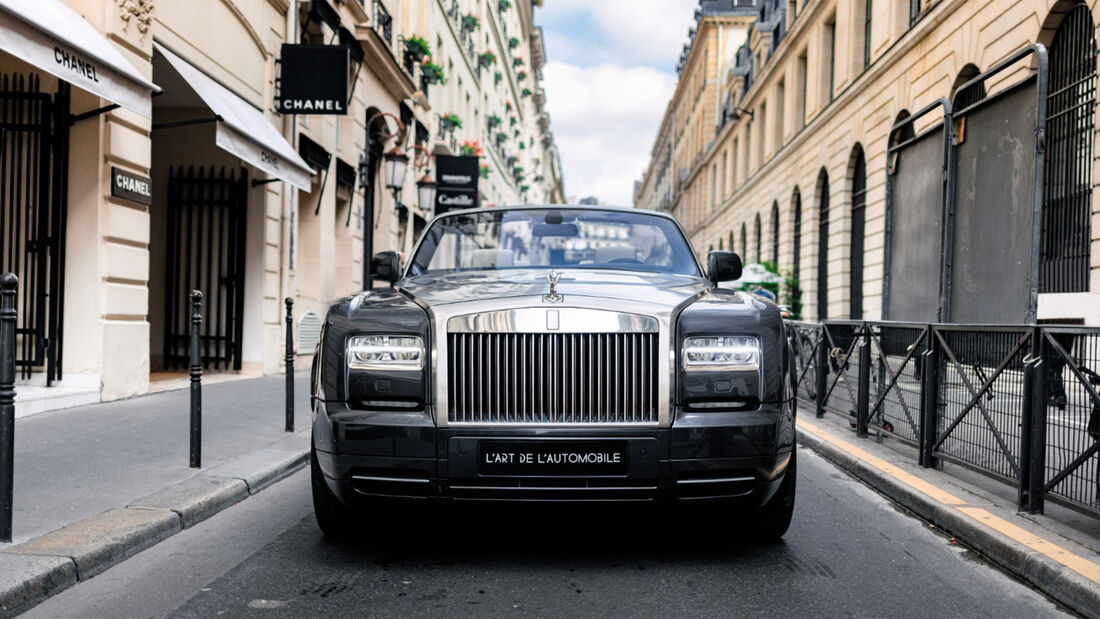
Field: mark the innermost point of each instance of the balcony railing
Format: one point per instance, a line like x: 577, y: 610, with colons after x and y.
x: 383, y: 22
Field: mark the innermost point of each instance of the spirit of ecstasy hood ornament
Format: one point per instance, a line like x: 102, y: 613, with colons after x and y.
x: 552, y: 278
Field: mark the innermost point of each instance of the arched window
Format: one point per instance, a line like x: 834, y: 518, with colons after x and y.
x: 756, y: 238
x: 775, y: 233
x: 970, y: 95
x: 744, y: 243
x: 823, y: 245
x: 732, y: 248
x: 1067, y: 191
x: 859, y: 217
x: 720, y: 248
x: 796, y: 250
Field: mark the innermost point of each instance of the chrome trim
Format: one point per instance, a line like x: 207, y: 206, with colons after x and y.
x: 722, y: 480
x: 538, y: 320
x: 411, y: 480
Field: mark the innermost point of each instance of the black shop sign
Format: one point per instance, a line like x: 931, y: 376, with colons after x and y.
x: 456, y: 183
x: 131, y: 187
x: 313, y: 79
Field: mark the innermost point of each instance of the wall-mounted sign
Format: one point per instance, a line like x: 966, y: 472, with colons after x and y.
x: 131, y: 187
x: 313, y: 79
x: 456, y: 181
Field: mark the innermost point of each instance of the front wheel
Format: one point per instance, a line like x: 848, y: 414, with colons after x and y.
x: 336, y: 520
x: 774, y: 518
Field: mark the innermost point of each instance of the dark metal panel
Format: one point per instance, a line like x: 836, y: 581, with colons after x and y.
x: 994, y: 218
x: 915, y: 224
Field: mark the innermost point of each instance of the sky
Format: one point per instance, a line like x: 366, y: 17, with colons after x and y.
x: 610, y: 70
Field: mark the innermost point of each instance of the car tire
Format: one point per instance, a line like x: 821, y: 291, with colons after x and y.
x: 335, y: 519
x: 774, y: 518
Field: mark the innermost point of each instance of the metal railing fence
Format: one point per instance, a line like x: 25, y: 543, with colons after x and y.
x: 1019, y: 403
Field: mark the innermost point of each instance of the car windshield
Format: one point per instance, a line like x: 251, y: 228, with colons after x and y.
x: 554, y: 239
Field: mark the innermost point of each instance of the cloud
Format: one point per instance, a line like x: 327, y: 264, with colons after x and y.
x: 610, y: 74
x: 626, y: 32
x: 604, y: 119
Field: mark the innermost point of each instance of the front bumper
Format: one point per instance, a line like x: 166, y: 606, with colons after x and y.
x: 738, y: 456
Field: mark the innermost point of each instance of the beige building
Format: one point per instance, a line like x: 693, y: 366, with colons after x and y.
x: 144, y: 155
x: 783, y: 149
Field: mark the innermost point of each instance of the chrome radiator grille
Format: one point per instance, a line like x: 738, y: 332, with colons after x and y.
x: 556, y: 378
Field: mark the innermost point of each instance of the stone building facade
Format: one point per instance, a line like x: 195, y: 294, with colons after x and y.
x: 791, y: 161
x: 144, y: 156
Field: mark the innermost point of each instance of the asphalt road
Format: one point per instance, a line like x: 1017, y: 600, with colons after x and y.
x: 849, y: 553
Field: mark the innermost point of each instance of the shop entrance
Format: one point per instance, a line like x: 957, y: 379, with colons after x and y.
x: 34, y: 135
x: 205, y: 251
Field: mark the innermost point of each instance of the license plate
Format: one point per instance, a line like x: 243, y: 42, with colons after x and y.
x: 580, y: 458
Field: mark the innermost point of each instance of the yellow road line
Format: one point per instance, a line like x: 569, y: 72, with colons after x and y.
x: 1075, y: 562
x: 912, y: 480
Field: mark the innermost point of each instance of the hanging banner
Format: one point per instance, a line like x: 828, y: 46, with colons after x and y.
x: 456, y: 183
x: 313, y: 79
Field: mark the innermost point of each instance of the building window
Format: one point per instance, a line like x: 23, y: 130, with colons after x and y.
x: 914, y: 12
x: 722, y: 180
x: 823, y: 245
x: 735, y: 176
x: 867, y: 34
x: 732, y: 248
x: 965, y: 97
x: 1067, y: 191
x: 800, y: 95
x: 775, y: 234
x: 756, y: 239
x: 830, y: 51
x: 780, y: 107
x: 796, y: 251
x: 859, y: 217
x: 744, y: 241
x: 761, y: 151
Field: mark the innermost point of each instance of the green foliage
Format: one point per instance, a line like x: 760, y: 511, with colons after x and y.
x: 418, y: 47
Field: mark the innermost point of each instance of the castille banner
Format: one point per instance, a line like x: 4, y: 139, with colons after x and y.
x: 456, y: 180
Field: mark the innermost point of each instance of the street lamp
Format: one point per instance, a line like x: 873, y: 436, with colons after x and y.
x: 426, y: 188
x: 397, y: 162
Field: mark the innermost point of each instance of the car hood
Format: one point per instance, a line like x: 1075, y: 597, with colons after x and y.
x: 437, y: 289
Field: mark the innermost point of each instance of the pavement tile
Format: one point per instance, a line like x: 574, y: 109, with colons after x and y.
x: 197, y: 498
x: 25, y: 579
x: 101, y: 541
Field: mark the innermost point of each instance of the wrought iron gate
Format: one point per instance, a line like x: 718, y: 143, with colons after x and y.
x: 206, y: 245
x: 34, y: 136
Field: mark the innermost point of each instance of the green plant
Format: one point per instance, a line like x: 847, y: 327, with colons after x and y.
x: 525, y: 188
x: 504, y: 5
x: 792, y: 295
x: 526, y: 93
x: 471, y: 22
x: 522, y: 75
x: 497, y: 76
x: 417, y: 48
x: 494, y: 121
x: 484, y: 170
x: 450, y: 122
x: 512, y: 120
x: 432, y: 72
x: 517, y: 61
x: 487, y: 58
x: 513, y: 42
x: 522, y: 146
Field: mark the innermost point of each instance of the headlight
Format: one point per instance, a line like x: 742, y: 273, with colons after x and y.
x: 721, y: 354
x: 386, y: 352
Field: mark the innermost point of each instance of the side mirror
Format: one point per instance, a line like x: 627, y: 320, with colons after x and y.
x: 723, y: 266
x: 386, y: 266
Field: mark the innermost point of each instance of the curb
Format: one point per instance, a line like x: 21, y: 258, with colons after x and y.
x: 1052, y: 578
x: 36, y: 569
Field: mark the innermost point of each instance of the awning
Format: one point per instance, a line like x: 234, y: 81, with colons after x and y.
x: 56, y: 39
x: 243, y: 130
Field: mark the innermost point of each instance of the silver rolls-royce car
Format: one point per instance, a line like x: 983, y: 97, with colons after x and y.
x: 553, y: 353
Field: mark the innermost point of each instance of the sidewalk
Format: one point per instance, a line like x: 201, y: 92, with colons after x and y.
x: 98, y: 483
x: 1057, y: 552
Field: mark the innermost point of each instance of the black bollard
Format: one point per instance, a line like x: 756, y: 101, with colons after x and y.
x: 196, y: 381
x: 289, y: 365
x: 8, y: 284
